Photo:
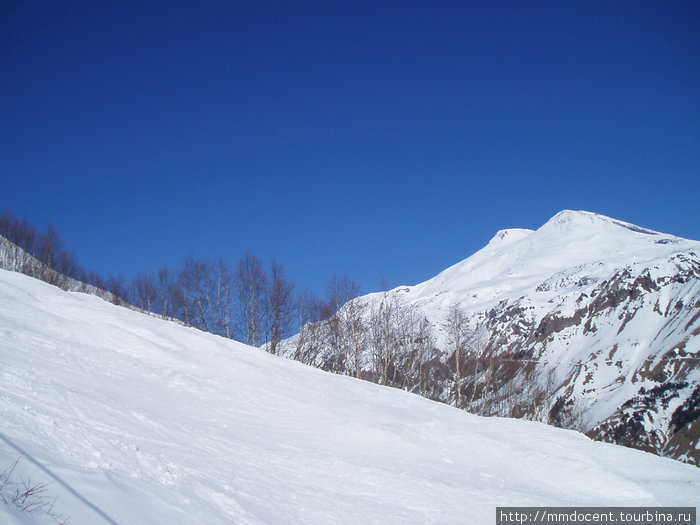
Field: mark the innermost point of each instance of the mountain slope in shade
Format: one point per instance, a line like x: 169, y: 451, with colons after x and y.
x: 134, y: 420
x: 587, y: 322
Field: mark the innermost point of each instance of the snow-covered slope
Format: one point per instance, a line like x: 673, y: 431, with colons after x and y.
x: 542, y: 264
x: 588, y: 311
x: 137, y: 420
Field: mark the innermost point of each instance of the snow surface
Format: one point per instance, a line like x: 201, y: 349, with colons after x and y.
x: 135, y: 420
x: 516, y: 261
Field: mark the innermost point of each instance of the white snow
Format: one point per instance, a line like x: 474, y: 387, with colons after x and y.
x: 516, y: 261
x: 136, y: 420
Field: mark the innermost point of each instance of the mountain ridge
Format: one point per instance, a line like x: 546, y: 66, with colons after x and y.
x: 566, y: 222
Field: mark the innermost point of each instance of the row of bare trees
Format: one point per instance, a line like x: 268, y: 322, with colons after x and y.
x: 245, y: 302
x: 391, y: 343
x: 382, y: 340
x: 42, y: 254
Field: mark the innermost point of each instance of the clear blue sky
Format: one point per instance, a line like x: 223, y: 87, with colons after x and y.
x: 384, y: 140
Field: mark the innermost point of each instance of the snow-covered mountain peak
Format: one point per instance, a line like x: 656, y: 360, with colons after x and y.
x: 516, y: 261
x: 578, y: 217
x: 509, y: 235
x: 578, y: 221
x: 567, y: 220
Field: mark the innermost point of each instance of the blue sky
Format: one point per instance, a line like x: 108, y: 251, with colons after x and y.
x: 383, y: 140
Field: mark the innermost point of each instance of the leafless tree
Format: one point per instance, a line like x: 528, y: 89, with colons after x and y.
x: 116, y: 286
x: 311, y: 327
x: 169, y: 297
x: 456, y: 327
x: 144, y: 291
x: 48, y: 245
x: 477, y: 341
x: 385, y: 327
x: 203, y: 294
x: 40, y: 255
x: 347, y: 324
x: 251, y: 283
x: 279, y: 307
x: 189, y: 283
x: 22, y: 242
x: 220, y: 302
x: 420, y: 342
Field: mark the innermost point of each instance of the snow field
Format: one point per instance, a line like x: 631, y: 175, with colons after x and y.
x: 138, y: 420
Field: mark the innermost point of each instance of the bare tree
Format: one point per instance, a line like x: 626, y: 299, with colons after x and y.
x: 47, y: 247
x: 418, y: 343
x: 488, y: 394
x: 221, y: 300
x: 424, y: 346
x: 346, y: 325
x: 251, y: 283
x: 385, y: 337
x: 96, y: 280
x: 22, y: 243
x: 279, y: 305
x: 456, y: 327
x: 169, y: 296
x: 144, y: 291
x: 193, y: 285
x: 478, y: 340
x: 310, y: 339
x: 202, y: 296
x: 40, y: 255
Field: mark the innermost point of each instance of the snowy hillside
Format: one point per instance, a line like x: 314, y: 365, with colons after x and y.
x: 588, y: 322
x: 134, y: 420
x: 573, y: 249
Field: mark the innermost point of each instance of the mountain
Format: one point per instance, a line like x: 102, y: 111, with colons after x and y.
x: 125, y: 418
x: 588, y: 322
